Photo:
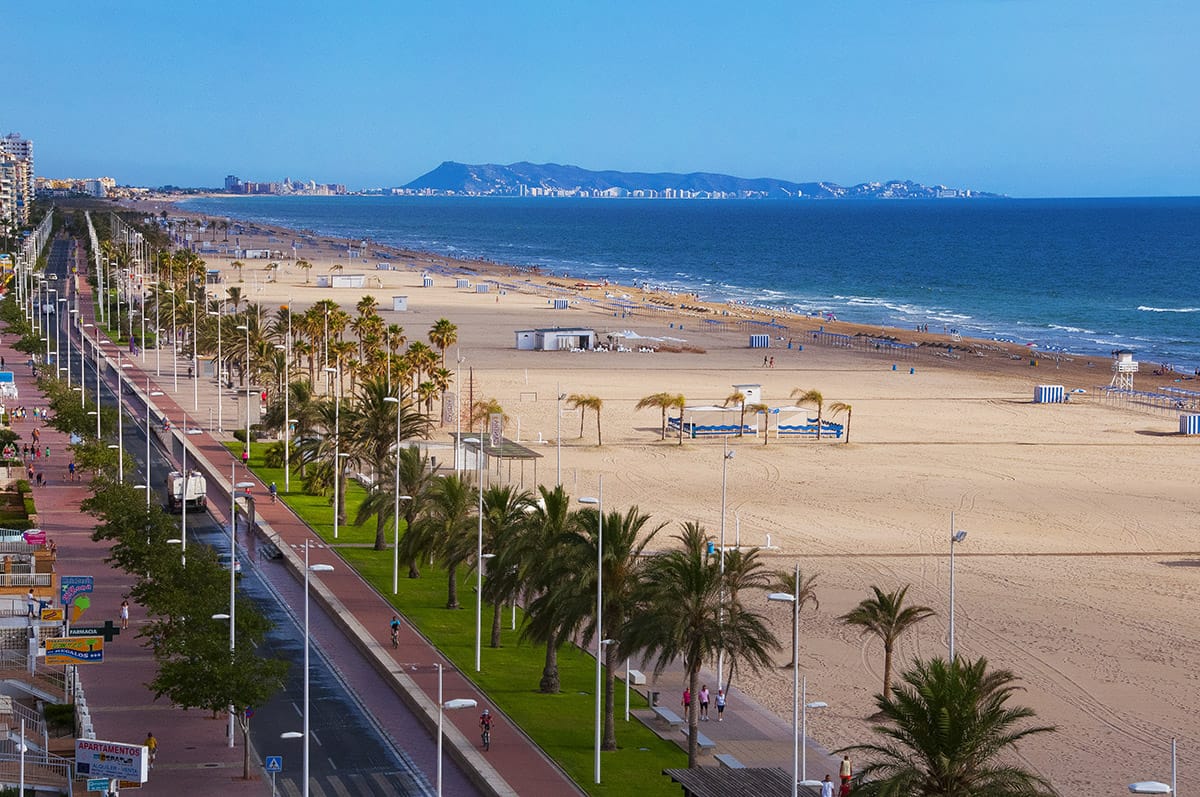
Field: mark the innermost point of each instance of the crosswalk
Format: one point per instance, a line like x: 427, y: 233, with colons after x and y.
x: 373, y: 784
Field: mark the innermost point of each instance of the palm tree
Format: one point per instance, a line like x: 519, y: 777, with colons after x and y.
x: 678, y: 618
x: 661, y: 401
x: 839, y: 407
x: 238, y: 266
x: 946, y: 730
x: 765, y: 411
x: 679, y: 402
x: 739, y: 398
x: 443, y: 334
x: 802, y: 588
x: 306, y: 267
x: 452, y: 527
x: 337, y: 267
x: 584, y: 402
x: 886, y: 616
x: 539, y: 551
x: 504, y: 511
x: 235, y: 297
x: 813, y: 397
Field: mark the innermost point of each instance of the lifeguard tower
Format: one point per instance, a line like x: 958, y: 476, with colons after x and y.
x: 1124, y: 367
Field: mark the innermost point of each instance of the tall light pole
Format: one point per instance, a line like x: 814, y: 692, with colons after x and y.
x: 220, y: 365
x: 478, y: 549
x: 337, y: 451
x: 727, y: 455
x: 196, y: 364
x: 955, y: 536
x: 787, y: 597
x: 70, y: 313
x: 121, y: 419
x: 1153, y: 786
x: 233, y: 497
x: 152, y: 393
x: 396, y: 503
x: 558, y: 435
x: 287, y: 395
x: 456, y: 703
x: 317, y: 568
x: 600, y: 641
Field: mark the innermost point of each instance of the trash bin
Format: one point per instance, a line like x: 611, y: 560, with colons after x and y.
x: 654, y: 697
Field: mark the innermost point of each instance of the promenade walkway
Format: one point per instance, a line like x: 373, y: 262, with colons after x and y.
x: 193, y: 747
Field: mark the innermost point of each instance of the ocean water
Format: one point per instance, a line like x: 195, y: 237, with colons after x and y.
x: 1087, y: 276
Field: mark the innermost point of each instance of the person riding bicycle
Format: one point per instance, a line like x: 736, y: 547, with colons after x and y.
x: 274, y: 491
x: 485, y: 725
x: 395, y: 626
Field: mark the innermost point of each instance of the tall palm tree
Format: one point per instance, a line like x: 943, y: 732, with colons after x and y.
x: 764, y: 410
x: 504, y: 511
x: 677, y: 618
x: 813, y: 397
x: 661, y: 401
x: 443, y: 334
x: 540, y: 553
x: 739, y: 398
x: 452, y: 527
x: 886, y: 616
x: 948, y: 730
x: 839, y: 407
x: 583, y: 403
x: 803, y: 589
x: 679, y: 402
x: 306, y: 267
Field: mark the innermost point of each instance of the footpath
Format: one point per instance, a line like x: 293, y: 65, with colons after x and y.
x: 193, y: 748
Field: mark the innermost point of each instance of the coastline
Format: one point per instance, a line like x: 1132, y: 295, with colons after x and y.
x: 1079, y: 567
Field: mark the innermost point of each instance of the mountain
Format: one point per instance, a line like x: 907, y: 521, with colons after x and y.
x: 552, y: 179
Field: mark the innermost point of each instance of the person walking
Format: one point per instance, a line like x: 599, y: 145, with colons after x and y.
x: 125, y: 613
x: 704, y: 703
x: 846, y: 771
x: 687, y: 701
x: 152, y: 747
x: 720, y: 705
x: 32, y: 601
x: 827, y: 787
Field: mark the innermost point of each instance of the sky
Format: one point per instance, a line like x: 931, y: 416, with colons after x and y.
x: 1023, y: 97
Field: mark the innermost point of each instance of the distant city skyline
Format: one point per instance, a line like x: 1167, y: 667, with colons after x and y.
x: 1021, y: 98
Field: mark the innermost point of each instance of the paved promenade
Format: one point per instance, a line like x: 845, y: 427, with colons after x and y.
x: 193, y: 746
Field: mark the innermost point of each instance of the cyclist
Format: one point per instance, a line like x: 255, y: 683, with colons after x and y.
x: 274, y: 492
x: 485, y: 724
x: 395, y: 626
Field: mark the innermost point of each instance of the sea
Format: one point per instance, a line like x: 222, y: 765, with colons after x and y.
x: 1087, y: 276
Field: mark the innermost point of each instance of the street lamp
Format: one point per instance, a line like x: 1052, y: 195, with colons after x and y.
x: 246, y: 327
x: 558, y: 437
x: 196, y: 364
x: 121, y: 420
x: 728, y: 455
x: 317, y: 568
x: 787, y: 597
x: 233, y: 496
x: 475, y: 441
x: 152, y: 393
x: 1154, y: 786
x: 955, y: 536
x: 396, y: 502
x: 220, y: 365
x: 337, y: 448
x: 287, y: 420
x: 600, y: 641
x: 456, y: 703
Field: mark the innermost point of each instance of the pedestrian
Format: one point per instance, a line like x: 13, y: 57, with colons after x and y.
x: 687, y: 700
x: 720, y: 705
x: 152, y: 747
x: 125, y: 613
x: 245, y: 456
x: 40, y: 479
x: 71, y: 471
x: 764, y: 361
x: 274, y: 492
x: 845, y: 790
x: 704, y: 703
x: 846, y: 771
x: 2, y: 365
x: 827, y: 787
x: 772, y: 362
x: 47, y: 454
x: 32, y: 601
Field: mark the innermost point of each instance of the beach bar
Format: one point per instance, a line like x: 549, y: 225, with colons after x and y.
x: 1189, y: 424
x: 565, y: 339
x: 1049, y: 394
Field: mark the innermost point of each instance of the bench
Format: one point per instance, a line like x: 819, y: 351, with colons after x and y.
x: 702, y: 741
x: 668, y: 716
x: 637, y: 678
x: 728, y: 761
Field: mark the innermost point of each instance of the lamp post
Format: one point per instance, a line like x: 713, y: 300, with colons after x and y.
x: 71, y: 312
x: 478, y: 549
x: 456, y: 703
x: 121, y: 420
x: 233, y: 496
x: 804, y: 707
x: 152, y: 393
x: 196, y: 365
x: 955, y: 536
x: 1154, y: 786
x: 220, y: 364
x: 727, y: 455
x: 317, y: 568
x: 558, y: 436
x: 337, y: 449
x: 49, y: 308
x: 82, y: 361
x: 600, y: 641
x: 396, y: 503
x: 184, y: 496
x: 287, y: 395
x: 787, y: 597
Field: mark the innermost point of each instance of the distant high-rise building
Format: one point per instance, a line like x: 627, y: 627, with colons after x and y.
x: 16, y: 179
x: 233, y: 184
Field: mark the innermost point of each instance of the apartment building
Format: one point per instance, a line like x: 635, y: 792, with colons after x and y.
x: 16, y: 179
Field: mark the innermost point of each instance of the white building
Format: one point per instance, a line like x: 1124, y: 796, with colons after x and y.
x: 16, y: 178
x: 556, y: 339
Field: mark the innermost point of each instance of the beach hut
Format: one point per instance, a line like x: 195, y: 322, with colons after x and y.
x: 1189, y: 424
x: 400, y: 304
x: 760, y: 341
x: 562, y: 304
x: 482, y: 287
x: 462, y: 283
x: 426, y: 282
x: 753, y: 393
x: 1049, y: 394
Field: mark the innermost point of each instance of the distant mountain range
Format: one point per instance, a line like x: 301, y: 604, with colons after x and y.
x: 552, y: 179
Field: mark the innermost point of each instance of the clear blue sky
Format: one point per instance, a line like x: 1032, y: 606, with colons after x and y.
x: 1024, y: 97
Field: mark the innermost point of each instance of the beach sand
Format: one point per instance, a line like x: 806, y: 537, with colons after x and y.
x: 1080, y: 567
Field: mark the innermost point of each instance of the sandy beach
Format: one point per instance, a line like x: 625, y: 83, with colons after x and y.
x: 1081, y: 517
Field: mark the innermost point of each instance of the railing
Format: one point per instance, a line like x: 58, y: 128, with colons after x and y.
x: 26, y: 580
x: 43, y: 769
x: 8, y: 545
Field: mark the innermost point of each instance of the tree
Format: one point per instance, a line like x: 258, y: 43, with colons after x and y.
x: 803, y: 589
x: 886, y: 616
x: 661, y: 401
x: 765, y: 411
x: 739, y: 398
x: 546, y: 575
x: 584, y: 402
x: 838, y: 407
x: 679, y: 402
x: 306, y: 267
x: 947, y: 730
x: 443, y: 335
x: 238, y: 266
x: 452, y: 527
x: 504, y: 511
x: 678, y: 617
x: 813, y: 397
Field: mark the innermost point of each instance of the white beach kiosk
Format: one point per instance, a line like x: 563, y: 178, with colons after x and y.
x: 556, y: 339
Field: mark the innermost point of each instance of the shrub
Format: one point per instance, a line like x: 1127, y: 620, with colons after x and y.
x: 22, y: 486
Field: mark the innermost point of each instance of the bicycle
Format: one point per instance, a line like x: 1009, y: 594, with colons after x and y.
x: 395, y: 636
x: 487, y: 738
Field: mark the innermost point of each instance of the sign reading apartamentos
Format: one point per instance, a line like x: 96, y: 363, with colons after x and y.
x: 97, y: 759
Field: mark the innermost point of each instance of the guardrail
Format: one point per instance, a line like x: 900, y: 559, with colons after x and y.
x: 26, y: 580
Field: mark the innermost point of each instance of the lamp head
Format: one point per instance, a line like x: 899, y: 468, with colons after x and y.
x: 959, y: 536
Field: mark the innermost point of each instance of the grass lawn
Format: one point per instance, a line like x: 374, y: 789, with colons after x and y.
x: 562, y: 724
